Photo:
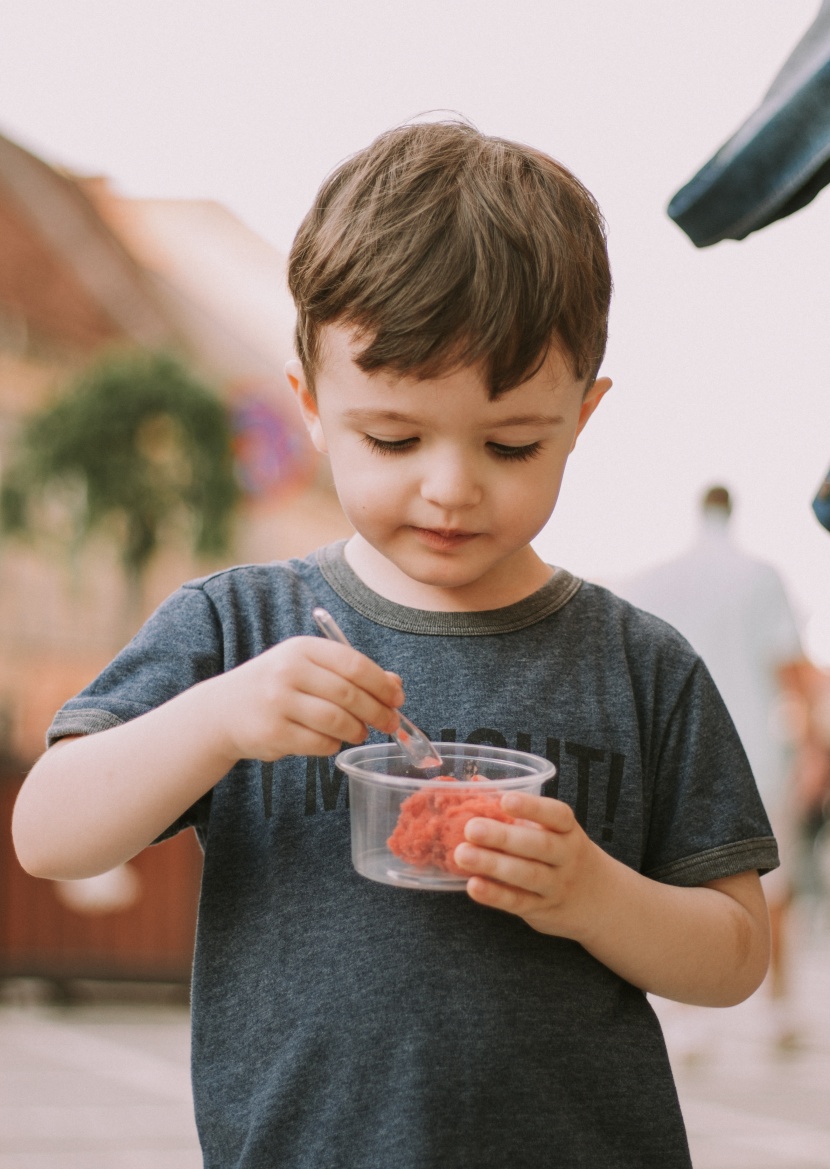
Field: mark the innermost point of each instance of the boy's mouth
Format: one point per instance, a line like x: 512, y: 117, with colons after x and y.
x: 444, y: 538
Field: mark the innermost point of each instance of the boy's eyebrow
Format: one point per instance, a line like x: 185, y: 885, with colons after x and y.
x: 369, y: 415
x: 356, y: 414
x: 530, y: 420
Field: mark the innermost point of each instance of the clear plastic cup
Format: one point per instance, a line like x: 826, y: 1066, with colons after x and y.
x: 405, y: 825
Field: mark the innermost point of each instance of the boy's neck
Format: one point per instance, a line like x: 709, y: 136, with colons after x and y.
x: 511, y: 581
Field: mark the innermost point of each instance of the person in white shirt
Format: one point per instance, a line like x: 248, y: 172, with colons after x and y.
x: 734, y: 611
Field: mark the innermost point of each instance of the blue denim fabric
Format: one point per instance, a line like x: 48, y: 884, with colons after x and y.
x: 777, y: 161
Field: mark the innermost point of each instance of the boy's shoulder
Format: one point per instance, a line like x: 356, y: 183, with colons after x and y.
x: 243, y: 607
x: 240, y: 587
x: 634, y: 651
x: 643, y: 631
x: 254, y: 574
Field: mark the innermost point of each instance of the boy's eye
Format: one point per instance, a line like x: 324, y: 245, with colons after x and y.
x: 384, y: 446
x: 515, y: 453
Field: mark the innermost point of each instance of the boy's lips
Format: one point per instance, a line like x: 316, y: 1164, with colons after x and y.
x: 443, y: 538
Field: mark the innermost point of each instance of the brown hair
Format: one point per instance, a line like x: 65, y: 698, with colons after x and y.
x: 443, y: 247
x: 717, y: 497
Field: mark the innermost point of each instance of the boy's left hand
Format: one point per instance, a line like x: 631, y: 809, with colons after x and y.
x: 544, y: 868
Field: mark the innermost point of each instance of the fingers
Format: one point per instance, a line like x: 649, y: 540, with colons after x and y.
x: 504, y: 897
x: 523, y: 855
x: 353, y: 679
x: 310, y: 714
x: 306, y: 741
x: 305, y: 696
x: 541, y: 867
x: 532, y: 876
x: 345, y: 702
x: 313, y: 695
x: 542, y: 810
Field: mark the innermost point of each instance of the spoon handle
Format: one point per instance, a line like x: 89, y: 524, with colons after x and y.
x: 412, y: 740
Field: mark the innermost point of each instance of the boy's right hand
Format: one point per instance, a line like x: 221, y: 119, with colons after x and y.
x: 91, y: 804
x: 304, y: 696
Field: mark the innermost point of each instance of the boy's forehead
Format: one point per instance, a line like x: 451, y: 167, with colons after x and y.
x: 341, y: 346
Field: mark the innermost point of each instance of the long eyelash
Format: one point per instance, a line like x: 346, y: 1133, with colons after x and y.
x: 383, y: 447
x: 516, y: 454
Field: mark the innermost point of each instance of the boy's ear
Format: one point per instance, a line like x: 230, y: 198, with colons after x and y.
x: 307, y: 403
x: 593, y: 397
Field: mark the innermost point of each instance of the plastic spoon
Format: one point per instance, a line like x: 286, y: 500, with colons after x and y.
x: 414, y: 742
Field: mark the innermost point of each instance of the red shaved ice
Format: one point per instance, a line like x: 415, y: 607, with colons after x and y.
x: 431, y: 825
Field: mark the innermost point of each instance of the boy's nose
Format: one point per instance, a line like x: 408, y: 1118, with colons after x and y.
x: 451, y: 483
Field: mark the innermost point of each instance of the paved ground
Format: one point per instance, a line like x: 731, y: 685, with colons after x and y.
x: 749, y: 1101
x: 106, y: 1086
x: 96, y: 1087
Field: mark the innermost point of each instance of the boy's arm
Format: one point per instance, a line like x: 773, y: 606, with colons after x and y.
x: 707, y: 945
x: 91, y: 803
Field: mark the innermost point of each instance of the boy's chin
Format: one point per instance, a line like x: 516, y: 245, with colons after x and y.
x: 399, y: 573
x: 444, y: 583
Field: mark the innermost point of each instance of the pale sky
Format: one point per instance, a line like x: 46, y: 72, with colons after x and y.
x: 719, y: 357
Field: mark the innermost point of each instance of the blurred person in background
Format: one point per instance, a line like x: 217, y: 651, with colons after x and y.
x: 734, y: 611
x: 810, y: 711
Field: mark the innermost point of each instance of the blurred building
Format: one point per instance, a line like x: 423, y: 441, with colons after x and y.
x: 83, y: 269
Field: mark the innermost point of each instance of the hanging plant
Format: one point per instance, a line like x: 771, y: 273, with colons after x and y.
x: 137, y: 448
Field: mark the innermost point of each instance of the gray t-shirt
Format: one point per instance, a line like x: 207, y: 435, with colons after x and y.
x: 343, y: 1024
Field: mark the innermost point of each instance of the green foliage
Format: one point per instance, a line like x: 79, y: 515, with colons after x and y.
x: 136, y: 447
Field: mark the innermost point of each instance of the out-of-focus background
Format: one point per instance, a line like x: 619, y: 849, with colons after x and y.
x: 155, y: 162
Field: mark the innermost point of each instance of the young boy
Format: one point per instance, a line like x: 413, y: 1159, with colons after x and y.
x: 452, y: 294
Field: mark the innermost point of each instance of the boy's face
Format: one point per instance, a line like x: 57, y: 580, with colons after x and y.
x: 444, y: 487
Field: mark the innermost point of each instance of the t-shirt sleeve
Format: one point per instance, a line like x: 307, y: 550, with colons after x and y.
x: 707, y: 820
x: 179, y: 646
